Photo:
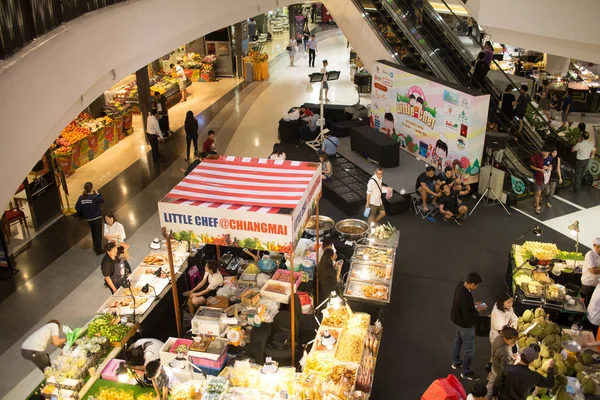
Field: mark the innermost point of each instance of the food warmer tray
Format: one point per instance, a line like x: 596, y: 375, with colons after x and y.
x: 125, y: 310
x: 391, y: 254
x: 354, y: 291
x: 143, y: 273
x: 526, y: 300
x: 179, y: 258
x: 363, y: 272
x: 392, y: 241
x: 159, y: 284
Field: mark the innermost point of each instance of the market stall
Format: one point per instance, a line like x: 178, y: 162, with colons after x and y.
x: 541, y: 275
x: 87, y: 137
x: 199, y: 68
x: 260, y: 65
x: 246, y: 203
x: 82, y: 366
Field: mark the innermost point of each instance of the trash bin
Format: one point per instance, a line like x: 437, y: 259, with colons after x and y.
x: 249, y: 72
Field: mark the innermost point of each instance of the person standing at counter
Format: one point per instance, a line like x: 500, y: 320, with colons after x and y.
x: 517, y: 381
x: 142, y: 352
x: 34, y: 347
x: 590, y: 276
x: 502, y: 315
x: 114, y: 231
x: 328, y: 274
x: 502, y: 353
x: 89, y: 207
x: 162, y: 378
x: 463, y: 315
x: 113, y: 268
x: 208, y: 287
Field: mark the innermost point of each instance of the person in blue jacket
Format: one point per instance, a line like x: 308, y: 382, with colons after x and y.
x: 89, y: 207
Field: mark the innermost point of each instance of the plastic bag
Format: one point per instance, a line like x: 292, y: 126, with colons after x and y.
x: 448, y: 388
x: 367, y: 212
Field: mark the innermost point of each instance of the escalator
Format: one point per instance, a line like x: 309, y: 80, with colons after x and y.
x: 441, y: 46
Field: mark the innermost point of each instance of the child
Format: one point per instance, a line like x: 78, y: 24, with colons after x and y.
x: 478, y: 392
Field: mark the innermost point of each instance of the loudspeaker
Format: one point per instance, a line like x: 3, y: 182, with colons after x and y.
x: 496, y: 140
x: 361, y: 80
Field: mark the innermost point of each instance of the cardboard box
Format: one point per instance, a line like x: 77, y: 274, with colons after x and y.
x: 250, y: 298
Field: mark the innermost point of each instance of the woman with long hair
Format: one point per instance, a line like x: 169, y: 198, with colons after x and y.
x: 328, y: 273
x: 191, y: 133
x: 326, y: 168
x: 502, y: 315
x: 278, y: 153
x: 89, y: 207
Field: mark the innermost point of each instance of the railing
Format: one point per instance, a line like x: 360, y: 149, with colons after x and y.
x: 22, y: 21
x: 536, y: 114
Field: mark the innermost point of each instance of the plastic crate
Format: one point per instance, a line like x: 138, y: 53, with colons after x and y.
x: 179, y: 342
x: 208, y: 364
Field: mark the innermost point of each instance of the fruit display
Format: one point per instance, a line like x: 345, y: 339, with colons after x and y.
x: 108, y: 326
x: 114, y: 394
x: 548, y: 336
x: 542, y: 251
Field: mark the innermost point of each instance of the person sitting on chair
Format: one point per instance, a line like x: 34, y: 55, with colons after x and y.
x: 309, y: 132
x: 450, y: 204
x: 208, y: 287
x: 446, y: 177
x: 427, y: 188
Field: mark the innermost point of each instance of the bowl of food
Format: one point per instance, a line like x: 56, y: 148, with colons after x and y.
x: 352, y: 229
x: 325, y: 225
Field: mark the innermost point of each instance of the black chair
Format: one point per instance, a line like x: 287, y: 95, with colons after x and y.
x: 281, y: 327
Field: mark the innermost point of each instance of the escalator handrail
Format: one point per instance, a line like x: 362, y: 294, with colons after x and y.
x: 535, y: 110
x: 440, y: 70
x: 378, y: 33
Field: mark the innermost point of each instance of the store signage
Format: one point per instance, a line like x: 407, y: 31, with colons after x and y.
x: 440, y: 125
x: 231, y: 227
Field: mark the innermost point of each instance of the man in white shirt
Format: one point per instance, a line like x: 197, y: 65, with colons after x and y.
x: 325, y: 84
x: 374, y: 194
x: 34, y: 347
x: 180, y: 73
x: 584, y: 149
x: 590, y: 276
x: 154, y: 134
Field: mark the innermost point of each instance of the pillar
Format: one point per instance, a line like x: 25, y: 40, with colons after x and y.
x: 557, y: 65
x: 239, y: 47
x: 143, y: 85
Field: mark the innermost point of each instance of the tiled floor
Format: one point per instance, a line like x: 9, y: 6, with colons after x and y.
x: 417, y: 330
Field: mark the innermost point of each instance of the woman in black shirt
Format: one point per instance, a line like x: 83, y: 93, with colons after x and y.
x: 508, y: 103
x: 191, y: 133
x: 113, y: 269
x: 479, y: 71
x: 328, y: 272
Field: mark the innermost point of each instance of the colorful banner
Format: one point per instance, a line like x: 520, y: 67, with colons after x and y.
x: 438, y: 124
x: 226, y: 227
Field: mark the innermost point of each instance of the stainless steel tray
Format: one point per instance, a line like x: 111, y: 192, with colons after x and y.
x: 354, y: 290
x: 368, y: 272
x: 361, y: 253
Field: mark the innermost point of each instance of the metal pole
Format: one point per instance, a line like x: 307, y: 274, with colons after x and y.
x: 293, y: 308
x: 167, y: 236
x: 318, y: 249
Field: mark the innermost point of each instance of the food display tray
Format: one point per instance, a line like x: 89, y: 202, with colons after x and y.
x: 359, y: 255
x: 107, y: 307
x: 392, y: 241
x: 159, y: 284
x: 144, y: 272
x: 355, y: 290
x: 364, y: 272
x: 337, y: 333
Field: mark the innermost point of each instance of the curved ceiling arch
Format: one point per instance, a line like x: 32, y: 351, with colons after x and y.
x: 49, y: 82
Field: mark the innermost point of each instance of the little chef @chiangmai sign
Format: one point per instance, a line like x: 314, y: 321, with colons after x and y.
x: 242, y: 202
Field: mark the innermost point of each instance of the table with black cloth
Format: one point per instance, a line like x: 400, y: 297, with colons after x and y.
x: 376, y: 146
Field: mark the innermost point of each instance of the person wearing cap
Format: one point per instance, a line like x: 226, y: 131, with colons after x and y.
x: 590, y: 276
x: 517, y: 381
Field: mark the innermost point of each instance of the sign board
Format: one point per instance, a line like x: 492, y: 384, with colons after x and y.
x: 439, y: 124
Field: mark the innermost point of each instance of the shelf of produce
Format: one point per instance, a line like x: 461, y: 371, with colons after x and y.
x: 96, y: 376
x: 94, y: 389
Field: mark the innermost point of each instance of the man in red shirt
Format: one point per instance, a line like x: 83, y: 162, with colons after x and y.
x: 209, y: 146
x: 305, y: 112
x: 541, y: 164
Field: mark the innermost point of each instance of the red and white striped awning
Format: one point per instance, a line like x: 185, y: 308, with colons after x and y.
x: 244, y: 183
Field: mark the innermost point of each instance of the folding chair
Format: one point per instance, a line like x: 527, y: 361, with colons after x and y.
x: 417, y: 204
